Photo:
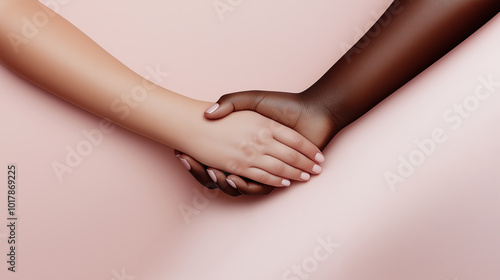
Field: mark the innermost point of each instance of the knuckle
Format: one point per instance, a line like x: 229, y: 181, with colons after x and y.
x: 298, y: 141
x: 264, y: 178
x: 276, y: 127
x: 265, y: 136
x: 293, y: 157
x: 279, y: 166
x: 248, y: 150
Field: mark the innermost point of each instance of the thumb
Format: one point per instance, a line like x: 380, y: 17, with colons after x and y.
x: 233, y: 102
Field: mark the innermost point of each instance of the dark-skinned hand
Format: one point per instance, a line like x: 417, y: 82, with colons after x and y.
x: 409, y: 37
x: 311, y: 119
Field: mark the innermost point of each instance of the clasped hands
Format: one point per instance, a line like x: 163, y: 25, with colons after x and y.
x: 304, y: 113
x: 281, y: 139
x: 383, y: 63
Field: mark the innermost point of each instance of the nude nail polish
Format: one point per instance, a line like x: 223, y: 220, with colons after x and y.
x: 231, y: 183
x: 305, y: 176
x: 285, y: 183
x: 185, y: 163
x: 211, y: 173
x: 317, y: 169
x: 319, y: 158
x: 212, y: 108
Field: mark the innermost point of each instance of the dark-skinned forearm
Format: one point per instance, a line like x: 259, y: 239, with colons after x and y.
x: 410, y: 37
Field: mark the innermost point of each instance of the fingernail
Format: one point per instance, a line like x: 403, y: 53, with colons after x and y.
x: 305, y: 176
x: 317, y: 169
x: 212, y: 108
x: 231, y: 183
x: 319, y: 158
x: 185, y: 163
x: 212, y: 175
x: 285, y: 183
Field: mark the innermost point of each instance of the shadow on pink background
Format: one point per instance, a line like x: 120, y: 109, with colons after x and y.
x: 128, y: 210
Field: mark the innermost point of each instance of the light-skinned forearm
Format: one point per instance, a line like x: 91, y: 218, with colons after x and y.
x: 63, y: 60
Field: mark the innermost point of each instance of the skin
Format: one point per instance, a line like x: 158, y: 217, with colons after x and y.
x: 60, y: 58
x: 408, y: 38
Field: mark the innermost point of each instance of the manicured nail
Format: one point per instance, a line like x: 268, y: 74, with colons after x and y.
x: 185, y: 163
x: 317, y: 169
x: 212, y: 108
x: 305, y: 176
x: 319, y: 158
x: 285, y: 183
x: 212, y: 175
x: 231, y: 183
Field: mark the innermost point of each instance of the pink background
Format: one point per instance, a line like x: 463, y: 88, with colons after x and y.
x: 116, y: 216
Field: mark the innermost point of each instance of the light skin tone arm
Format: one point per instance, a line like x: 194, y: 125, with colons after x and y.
x: 60, y: 58
x: 409, y: 37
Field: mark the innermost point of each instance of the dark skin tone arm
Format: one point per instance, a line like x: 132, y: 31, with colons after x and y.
x: 409, y: 37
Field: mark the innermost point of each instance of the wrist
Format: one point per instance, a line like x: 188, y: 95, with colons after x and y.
x: 328, y: 103
x: 163, y: 116
x: 180, y: 125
